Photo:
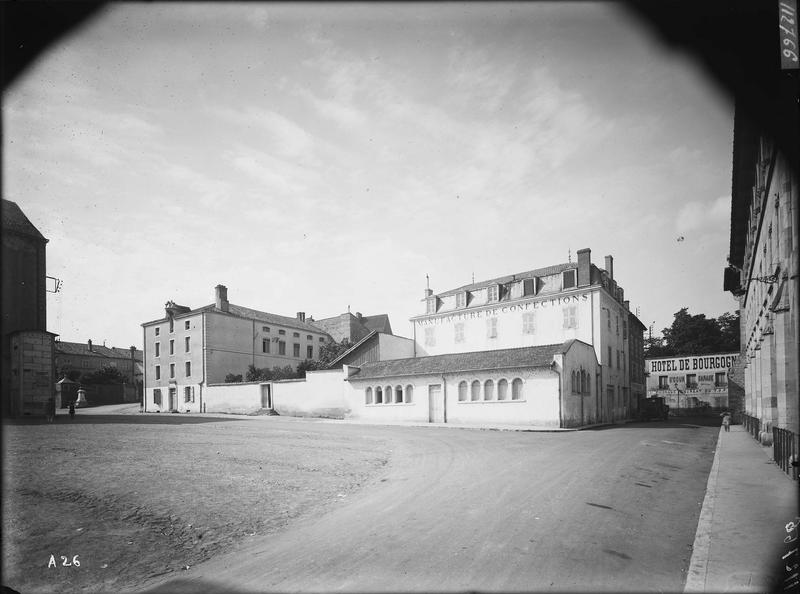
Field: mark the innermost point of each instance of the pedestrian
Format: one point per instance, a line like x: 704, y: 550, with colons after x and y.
x: 726, y: 421
x: 51, y: 410
x: 72, y: 410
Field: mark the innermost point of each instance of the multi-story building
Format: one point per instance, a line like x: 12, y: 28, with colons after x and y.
x: 78, y: 359
x: 28, y: 376
x: 353, y: 328
x: 546, y: 306
x: 188, y: 349
x: 763, y: 271
x: 691, y: 382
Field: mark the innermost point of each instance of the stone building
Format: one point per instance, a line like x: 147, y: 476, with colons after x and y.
x: 353, y: 328
x: 692, y: 383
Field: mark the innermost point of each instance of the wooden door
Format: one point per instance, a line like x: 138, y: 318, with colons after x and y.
x: 435, y: 404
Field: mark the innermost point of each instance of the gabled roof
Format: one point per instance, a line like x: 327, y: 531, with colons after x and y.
x: 535, y: 356
x: 15, y: 221
x: 377, y: 323
x: 357, y: 346
x: 539, y: 272
x: 98, y: 350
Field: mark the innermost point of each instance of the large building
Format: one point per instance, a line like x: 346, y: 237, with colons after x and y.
x: 693, y: 382
x: 763, y: 272
x: 188, y: 349
x: 28, y: 376
x: 546, y: 306
x: 78, y: 359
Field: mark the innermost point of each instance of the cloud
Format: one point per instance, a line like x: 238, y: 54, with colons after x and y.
x: 341, y: 112
x: 274, y: 174
x: 285, y: 136
x: 705, y: 217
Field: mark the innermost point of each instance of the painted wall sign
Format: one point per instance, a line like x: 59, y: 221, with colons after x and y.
x: 708, y: 362
x: 787, y: 28
x: 493, y: 311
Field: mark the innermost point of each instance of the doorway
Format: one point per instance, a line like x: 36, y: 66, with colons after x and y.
x: 266, y: 396
x: 435, y: 404
x: 173, y: 396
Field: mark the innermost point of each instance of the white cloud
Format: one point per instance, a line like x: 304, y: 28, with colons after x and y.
x: 697, y: 216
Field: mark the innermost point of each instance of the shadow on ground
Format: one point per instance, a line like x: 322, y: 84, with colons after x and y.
x: 687, y: 422
x: 145, y: 419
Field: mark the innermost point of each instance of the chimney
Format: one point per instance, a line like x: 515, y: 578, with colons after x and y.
x: 610, y: 267
x: 584, y: 267
x: 301, y: 315
x: 359, y: 316
x: 222, y: 297
x: 90, y: 344
x: 428, y: 292
x: 627, y: 305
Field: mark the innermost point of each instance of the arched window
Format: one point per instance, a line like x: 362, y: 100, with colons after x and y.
x: 476, y: 390
x: 488, y: 390
x: 378, y: 395
x: 502, y: 390
x: 583, y: 382
x: 369, y: 395
x: 462, y: 392
x: 387, y: 395
x: 573, y: 385
x: 516, y: 389
x: 408, y: 395
x: 398, y: 394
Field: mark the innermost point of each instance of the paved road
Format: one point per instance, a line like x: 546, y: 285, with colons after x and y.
x: 610, y: 509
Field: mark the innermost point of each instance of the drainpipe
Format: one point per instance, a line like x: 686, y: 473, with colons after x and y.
x: 444, y: 398
x: 553, y: 368
x: 144, y: 369
x: 203, y: 360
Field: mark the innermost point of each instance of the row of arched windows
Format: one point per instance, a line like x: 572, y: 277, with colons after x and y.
x: 581, y: 383
x: 483, y: 391
x: 389, y: 395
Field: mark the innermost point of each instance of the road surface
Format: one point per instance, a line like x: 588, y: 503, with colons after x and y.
x: 611, y: 509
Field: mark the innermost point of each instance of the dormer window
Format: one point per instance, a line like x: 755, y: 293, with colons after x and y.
x: 461, y: 299
x: 568, y: 278
x: 492, y: 292
x: 530, y: 286
x: 431, y: 304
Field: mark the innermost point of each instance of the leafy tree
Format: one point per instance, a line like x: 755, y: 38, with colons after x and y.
x: 69, y: 373
x: 232, y: 378
x: 104, y: 375
x: 729, y: 326
x: 256, y: 374
x: 695, y: 335
x: 329, y: 352
x: 286, y: 372
x: 308, y: 365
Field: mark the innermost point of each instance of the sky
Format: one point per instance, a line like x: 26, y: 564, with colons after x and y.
x: 317, y: 158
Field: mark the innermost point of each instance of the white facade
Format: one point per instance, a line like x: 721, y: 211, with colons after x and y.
x: 691, y: 382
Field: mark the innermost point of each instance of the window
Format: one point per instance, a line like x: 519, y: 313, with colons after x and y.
x: 187, y: 325
x: 663, y: 382
x: 309, y: 337
x: 157, y: 397
x: 571, y: 316
x: 491, y: 327
x: 309, y: 352
x: 295, y: 334
x: 516, y: 389
x: 529, y: 322
x: 529, y: 286
x: 265, y: 328
x: 282, y: 332
x: 459, y: 332
x: 462, y: 392
x: 171, y: 347
x: 616, y: 318
x: 488, y: 390
x: 188, y: 369
x: 187, y: 342
x: 476, y: 391
x: 158, y: 349
x: 430, y: 337
x: 171, y: 325
x: 720, y: 381
x: 624, y: 330
x: 691, y: 381
x: 368, y: 396
x: 295, y: 350
x: 398, y: 394
x: 172, y: 369
x: 378, y: 395
x: 158, y: 330
x: 387, y: 395
x: 431, y: 304
x: 568, y: 278
x: 158, y: 372
x: 187, y: 394
x: 573, y: 384
x: 492, y: 292
x: 608, y: 317
x: 408, y: 395
x: 281, y: 348
x: 265, y: 345
x: 461, y: 299
x: 321, y: 339
x: 618, y: 365
x: 502, y: 390
x: 610, y: 362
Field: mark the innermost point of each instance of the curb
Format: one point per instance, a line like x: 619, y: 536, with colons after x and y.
x: 698, y: 566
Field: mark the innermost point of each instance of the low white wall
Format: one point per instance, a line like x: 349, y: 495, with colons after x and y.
x: 321, y: 394
x: 240, y: 399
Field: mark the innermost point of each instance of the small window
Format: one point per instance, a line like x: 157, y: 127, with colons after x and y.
x: 720, y: 380
x: 188, y: 369
x: 529, y: 286
x: 158, y: 349
x: 568, y: 278
x: 158, y: 372
x: 378, y: 395
x: 408, y: 395
x: 171, y: 347
x: 573, y: 383
x: 171, y: 325
x: 663, y: 382
x: 281, y: 348
x: 608, y: 318
x: 157, y: 397
x: 265, y: 345
x: 488, y: 390
x: 529, y: 322
x: 295, y: 350
x: 321, y: 339
x: 571, y: 317
x: 309, y: 352
x: 295, y: 334
x: 624, y: 330
x: 172, y: 369
x: 368, y: 396
x: 516, y: 389
x: 476, y: 391
x: 462, y: 391
x: 610, y: 362
x: 431, y: 304
x: 158, y: 330
x: 502, y: 390
x: 282, y: 332
x: 398, y: 394
x: 430, y: 336
x: 691, y: 381
x: 387, y: 395
x: 187, y: 342
x: 187, y: 325
x: 491, y: 327
x: 459, y: 332
x: 492, y: 292
x: 309, y: 337
x: 461, y: 299
x: 265, y: 328
x: 187, y: 394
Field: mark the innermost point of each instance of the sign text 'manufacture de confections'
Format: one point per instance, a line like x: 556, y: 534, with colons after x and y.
x: 504, y: 309
x: 721, y: 362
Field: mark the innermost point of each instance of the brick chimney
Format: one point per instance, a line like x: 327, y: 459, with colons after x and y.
x: 222, y: 297
x: 90, y: 344
x: 359, y: 316
x: 301, y: 315
x: 584, y: 267
x: 610, y: 267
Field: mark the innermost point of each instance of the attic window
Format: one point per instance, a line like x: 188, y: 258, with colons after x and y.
x: 431, y: 304
x: 568, y: 277
x: 492, y: 292
x: 529, y: 286
x: 461, y: 299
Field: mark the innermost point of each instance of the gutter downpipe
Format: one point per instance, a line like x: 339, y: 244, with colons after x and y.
x: 203, y: 359
x: 553, y: 367
x: 444, y: 398
x: 144, y: 369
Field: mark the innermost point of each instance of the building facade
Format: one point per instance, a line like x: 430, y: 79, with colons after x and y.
x: 571, y: 301
x: 692, y: 383
x: 763, y: 273
x: 28, y: 374
x: 188, y: 349
x: 353, y: 328
x: 77, y: 360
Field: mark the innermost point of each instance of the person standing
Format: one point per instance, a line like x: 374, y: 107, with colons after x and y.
x: 726, y: 421
x: 72, y: 410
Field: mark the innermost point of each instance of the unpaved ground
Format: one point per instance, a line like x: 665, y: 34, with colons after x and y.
x: 135, y: 496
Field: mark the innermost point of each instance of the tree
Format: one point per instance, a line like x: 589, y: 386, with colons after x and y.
x: 331, y: 351
x: 71, y: 374
x: 308, y: 365
x: 696, y: 335
x: 104, y: 375
x: 232, y: 378
x: 256, y: 374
